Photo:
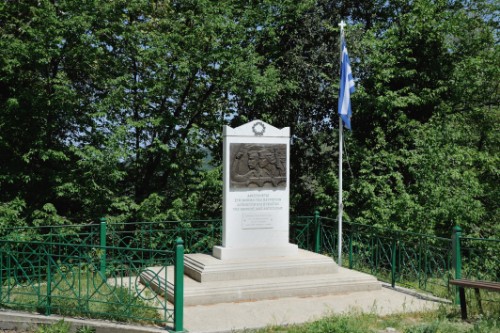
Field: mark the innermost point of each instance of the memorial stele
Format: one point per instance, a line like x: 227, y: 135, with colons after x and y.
x: 256, y: 164
x: 256, y: 260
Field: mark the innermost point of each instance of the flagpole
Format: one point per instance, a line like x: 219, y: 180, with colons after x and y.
x: 340, y: 193
x: 341, y: 140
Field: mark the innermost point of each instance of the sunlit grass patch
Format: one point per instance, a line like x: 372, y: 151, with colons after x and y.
x: 444, y: 320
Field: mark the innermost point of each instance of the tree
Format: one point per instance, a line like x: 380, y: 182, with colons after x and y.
x: 418, y: 77
x: 117, y: 107
x: 108, y: 103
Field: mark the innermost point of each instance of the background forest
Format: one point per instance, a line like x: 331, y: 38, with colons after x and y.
x: 116, y: 108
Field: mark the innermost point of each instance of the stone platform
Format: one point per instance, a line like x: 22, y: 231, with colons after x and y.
x: 209, y: 280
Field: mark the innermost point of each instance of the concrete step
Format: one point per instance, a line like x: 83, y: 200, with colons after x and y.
x: 206, y: 268
x: 273, y: 283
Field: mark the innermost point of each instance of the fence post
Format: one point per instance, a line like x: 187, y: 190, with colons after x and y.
x: 393, y: 262
x: 351, y: 261
x: 179, y: 286
x: 317, y: 242
x: 48, y: 305
x: 102, y: 237
x: 457, y: 257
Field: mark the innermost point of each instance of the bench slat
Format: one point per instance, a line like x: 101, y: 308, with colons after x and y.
x: 476, y: 284
x: 489, y: 285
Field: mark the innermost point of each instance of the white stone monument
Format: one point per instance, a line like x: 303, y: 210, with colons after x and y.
x: 256, y: 192
x: 256, y: 260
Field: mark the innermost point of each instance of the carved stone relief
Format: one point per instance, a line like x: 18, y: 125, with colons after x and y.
x: 257, y: 165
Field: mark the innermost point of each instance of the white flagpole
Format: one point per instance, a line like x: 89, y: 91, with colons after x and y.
x: 341, y: 140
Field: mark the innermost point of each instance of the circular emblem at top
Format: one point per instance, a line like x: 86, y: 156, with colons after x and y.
x: 258, y: 128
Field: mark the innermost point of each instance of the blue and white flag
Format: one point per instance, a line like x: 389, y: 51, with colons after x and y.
x: 346, y: 87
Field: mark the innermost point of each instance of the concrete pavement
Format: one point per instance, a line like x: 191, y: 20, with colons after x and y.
x: 231, y: 317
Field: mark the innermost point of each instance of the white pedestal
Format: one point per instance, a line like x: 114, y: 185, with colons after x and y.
x: 209, y: 280
x: 225, y: 253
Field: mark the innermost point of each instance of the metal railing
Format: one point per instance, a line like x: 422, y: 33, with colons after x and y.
x: 198, y: 235
x: 418, y: 260
x: 92, y: 251
x: 415, y: 260
x: 75, y: 279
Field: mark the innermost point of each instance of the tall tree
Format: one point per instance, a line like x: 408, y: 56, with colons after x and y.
x: 107, y: 103
x: 117, y: 107
x: 419, y: 130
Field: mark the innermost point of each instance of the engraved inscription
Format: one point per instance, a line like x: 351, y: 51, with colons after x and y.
x: 256, y: 221
x: 258, y: 210
x: 258, y: 202
x: 257, y: 165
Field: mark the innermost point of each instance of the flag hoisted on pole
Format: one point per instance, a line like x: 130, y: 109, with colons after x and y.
x: 346, y: 82
x: 344, y: 109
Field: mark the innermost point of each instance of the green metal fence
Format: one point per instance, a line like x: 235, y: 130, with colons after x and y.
x: 415, y: 260
x: 73, y: 279
x: 420, y: 261
x: 480, y: 259
x: 76, y: 257
x: 198, y: 235
x: 412, y: 259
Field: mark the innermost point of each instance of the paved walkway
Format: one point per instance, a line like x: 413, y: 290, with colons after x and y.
x: 230, y: 317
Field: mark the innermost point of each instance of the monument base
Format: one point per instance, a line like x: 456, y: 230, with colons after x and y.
x: 209, y: 280
x: 228, y: 253
x: 205, y: 268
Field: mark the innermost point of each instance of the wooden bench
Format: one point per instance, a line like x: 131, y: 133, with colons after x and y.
x: 476, y: 284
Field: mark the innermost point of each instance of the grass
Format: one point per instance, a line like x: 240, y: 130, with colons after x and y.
x: 85, y: 294
x: 445, y: 320
x: 61, y: 327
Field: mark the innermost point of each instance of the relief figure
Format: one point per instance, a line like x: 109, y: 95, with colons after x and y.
x: 257, y: 166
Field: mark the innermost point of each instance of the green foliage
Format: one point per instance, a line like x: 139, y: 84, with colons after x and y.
x: 424, y: 125
x: 337, y: 324
x: 47, y: 216
x: 11, y: 212
x: 79, y: 290
x: 438, y: 326
x: 86, y: 329
x: 333, y: 324
x: 124, y: 306
x: 431, y: 322
x: 116, y: 108
x: 111, y: 103
x: 62, y: 327
x: 59, y: 327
